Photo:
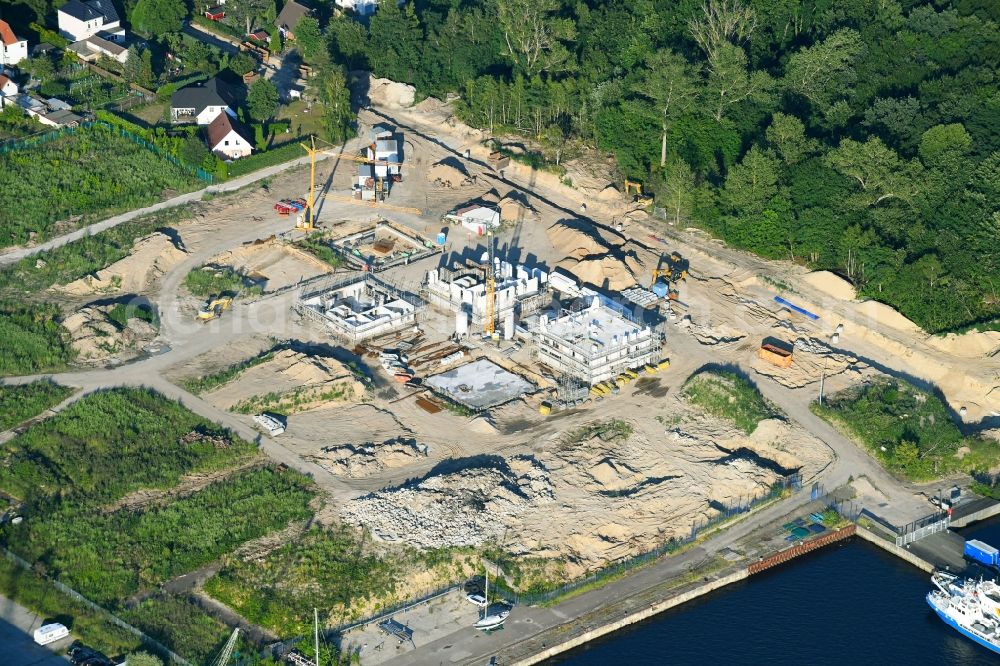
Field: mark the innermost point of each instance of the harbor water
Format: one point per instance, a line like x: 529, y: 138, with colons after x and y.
x: 850, y: 603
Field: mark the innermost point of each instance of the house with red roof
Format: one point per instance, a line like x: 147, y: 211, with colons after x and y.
x: 12, y: 49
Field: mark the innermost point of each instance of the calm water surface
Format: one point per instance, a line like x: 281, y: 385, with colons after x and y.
x: 847, y: 604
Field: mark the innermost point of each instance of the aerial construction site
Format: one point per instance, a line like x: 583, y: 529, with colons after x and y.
x: 474, y: 360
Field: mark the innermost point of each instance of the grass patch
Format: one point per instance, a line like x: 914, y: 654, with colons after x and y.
x: 908, y: 430
x: 109, y: 557
x: 18, y: 403
x: 39, y: 595
x: 330, y: 569
x: 321, y: 249
x: 208, y: 281
x: 82, y: 257
x: 180, y: 625
x: 32, y: 340
x: 730, y: 397
x: 199, y: 385
x: 110, y: 443
x: 83, y: 176
x: 122, y: 312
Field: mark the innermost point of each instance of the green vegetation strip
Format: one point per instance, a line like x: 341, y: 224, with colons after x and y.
x: 321, y: 249
x: 729, y: 396
x: 109, y: 557
x: 72, y: 261
x: 199, y: 385
x: 20, y: 402
x: 83, y: 176
x: 110, y: 443
x: 208, y: 281
x: 179, y: 621
x: 908, y: 430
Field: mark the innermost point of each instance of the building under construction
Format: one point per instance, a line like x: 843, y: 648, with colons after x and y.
x: 596, y: 343
x: 360, y: 307
x: 461, y: 288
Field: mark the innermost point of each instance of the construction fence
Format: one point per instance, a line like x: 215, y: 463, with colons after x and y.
x: 147, y: 640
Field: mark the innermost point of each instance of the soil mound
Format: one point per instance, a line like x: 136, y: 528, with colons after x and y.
x: 151, y: 257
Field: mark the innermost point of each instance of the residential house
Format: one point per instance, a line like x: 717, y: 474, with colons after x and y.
x: 359, y: 7
x: 80, y: 19
x: 12, y: 49
x: 92, y: 48
x: 8, y: 91
x: 203, y: 102
x: 289, y: 18
x: 261, y: 36
x: 227, y: 138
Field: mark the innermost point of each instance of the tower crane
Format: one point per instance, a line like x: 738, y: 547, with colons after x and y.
x: 309, y: 222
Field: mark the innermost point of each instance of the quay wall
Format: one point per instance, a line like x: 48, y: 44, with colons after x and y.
x: 891, y: 547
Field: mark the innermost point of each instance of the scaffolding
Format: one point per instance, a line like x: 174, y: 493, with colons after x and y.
x: 359, y: 306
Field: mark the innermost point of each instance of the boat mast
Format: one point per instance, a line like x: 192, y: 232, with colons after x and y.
x: 316, y: 623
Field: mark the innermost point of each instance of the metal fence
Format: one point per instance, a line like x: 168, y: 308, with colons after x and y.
x: 108, y: 615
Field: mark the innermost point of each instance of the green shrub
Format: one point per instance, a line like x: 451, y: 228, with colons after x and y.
x: 208, y: 281
x: 180, y: 625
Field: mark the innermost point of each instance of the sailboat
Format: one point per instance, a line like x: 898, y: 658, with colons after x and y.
x: 490, y: 620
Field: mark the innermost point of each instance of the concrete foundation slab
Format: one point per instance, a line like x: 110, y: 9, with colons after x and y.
x: 480, y: 384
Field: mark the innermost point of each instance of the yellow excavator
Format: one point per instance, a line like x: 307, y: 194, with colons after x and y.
x: 639, y: 197
x: 214, y: 307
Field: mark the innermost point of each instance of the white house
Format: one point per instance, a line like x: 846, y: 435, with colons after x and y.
x: 12, y: 49
x: 359, y: 7
x: 80, y: 19
x: 226, y: 139
x: 384, y: 148
x: 475, y: 218
x: 7, y: 87
x: 203, y: 102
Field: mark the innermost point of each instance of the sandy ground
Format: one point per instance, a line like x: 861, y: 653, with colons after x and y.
x: 272, y: 263
x: 151, y: 257
x: 97, y: 340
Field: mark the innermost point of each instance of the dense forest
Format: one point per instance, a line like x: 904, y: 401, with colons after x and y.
x: 853, y: 135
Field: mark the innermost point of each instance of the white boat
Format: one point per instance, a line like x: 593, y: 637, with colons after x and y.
x: 273, y: 426
x: 490, y: 620
x: 972, y: 608
x: 50, y: 633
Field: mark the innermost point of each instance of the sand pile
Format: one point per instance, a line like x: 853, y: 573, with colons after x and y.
x: 831, y: 284
x: 363, y: 460
x: 96, y: 338
x: 515, y: 208
x: 290, y: 381
x: 601, y: 256
x: 449, y: 172
x: 384, y: 92
x: 150, y: 258
x: 465, y: 508
x: 716, y: 335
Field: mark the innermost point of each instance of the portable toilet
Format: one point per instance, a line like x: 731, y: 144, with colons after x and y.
x: 981, y: 552
x: 660, y: 289
x: 441, y: 238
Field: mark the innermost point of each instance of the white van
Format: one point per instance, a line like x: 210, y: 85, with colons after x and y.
x: 50, y: 633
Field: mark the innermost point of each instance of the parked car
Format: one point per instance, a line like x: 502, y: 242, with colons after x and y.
x: 81, y: 655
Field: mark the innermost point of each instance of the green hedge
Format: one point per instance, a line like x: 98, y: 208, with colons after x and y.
x: 218, y: 27
x: 283, y: 153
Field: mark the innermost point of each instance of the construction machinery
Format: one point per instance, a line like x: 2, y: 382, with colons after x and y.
x: 214, y: 307
x: 638, y: 197
x: 227, y: 650
x: 671, y: 266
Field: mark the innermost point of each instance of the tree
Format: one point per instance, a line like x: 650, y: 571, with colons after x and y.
x: 311, y: 42
x: 158, y: 17
x: 875, y: 168
x: 262, y: 100
x: 246, y: 12
x: 338, y: 117
x: 535, y: 37
x: 722, y: 22
x: 787, y: 135
x: 752, y: 184
x: 241, y: 63
x: 669, y: 82
x: 730, y: 82
x: 823, y: 72
x: 944, y: 143
x: 676, y: 193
